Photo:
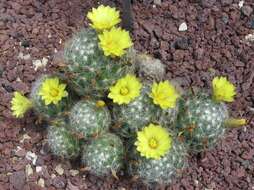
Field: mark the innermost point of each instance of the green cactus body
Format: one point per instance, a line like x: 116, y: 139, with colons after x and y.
x: 202, y: 121
x: 89, y: 120
x: 62, y: 143
x: 88, y: 70
x: 47, y: 111
x: 104, y: 155
x: 135, y: 115
x: 139, y: 113
x: 161, y: 170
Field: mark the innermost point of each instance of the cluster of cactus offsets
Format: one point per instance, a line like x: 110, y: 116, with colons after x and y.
x: 104, y: 155
x: 202, y: 121
x: 130, y: 118
x: 89, y: 119
x: 88, y: 70
x: 113, y: 108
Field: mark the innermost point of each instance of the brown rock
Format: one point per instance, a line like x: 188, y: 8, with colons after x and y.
x: 59, y: 182
x: 247, y: 10
x: 17, y: 180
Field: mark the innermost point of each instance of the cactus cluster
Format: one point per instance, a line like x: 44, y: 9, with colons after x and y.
x: 88, y: 71
x: 130, y: 118
x: 113, y: 108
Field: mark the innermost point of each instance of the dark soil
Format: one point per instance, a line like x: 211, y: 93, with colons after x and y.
x: 214, y: 44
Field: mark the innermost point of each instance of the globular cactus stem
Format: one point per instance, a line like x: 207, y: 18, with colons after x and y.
x: 62, y: 143
x: 104, y: 155
x: 90, y: 118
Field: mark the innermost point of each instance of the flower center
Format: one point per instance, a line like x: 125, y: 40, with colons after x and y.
x: 153, y: 143
x: 54, y: 92
x: 124, y: 91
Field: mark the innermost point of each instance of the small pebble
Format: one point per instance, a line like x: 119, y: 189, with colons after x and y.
x: 40, y: 63
x: 157, y: 2
x: 24, y: 57
x: 31, y: 156
x: 249, y: 37
x: 247, y: 10
x: 25, y: 136
x: 59, y: 169
x: 41, y: 182
x: 38, y: 169
x: 29, y: 170
x: 59, y: 182
x: 240, y: 4
x: 183, y: 27
x: 74, y: 172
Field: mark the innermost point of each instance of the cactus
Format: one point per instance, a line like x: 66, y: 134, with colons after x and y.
x: 134, y: 116
x: 104, y: 155
x: 201, y: 121
x: 47, y: 111
x: 88, y: 70
x: 89, y: 119
x: 62, y: 143
x: 150, y: 69
x: 161, y: 170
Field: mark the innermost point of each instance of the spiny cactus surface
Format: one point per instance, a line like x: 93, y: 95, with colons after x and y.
x: 62, y: 143
x: 88, y: 119
x: 88, y: 70
x: 140, y: 112
x: 104, y: 155
x: 201, y: 121
x: 135, y: 115
x: 161, y: 170
x: 47, y: 111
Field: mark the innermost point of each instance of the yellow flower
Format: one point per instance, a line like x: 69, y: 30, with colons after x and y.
x: 19, y: 105
x: 153, y: 141
x: 125, y: 90
x: 223, y: 90
x: 164, y: 94
x: 104, y: 17
x: 114, y: 42
x: 52, y: 91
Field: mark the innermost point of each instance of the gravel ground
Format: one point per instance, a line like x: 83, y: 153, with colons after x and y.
x: 219, y: 40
